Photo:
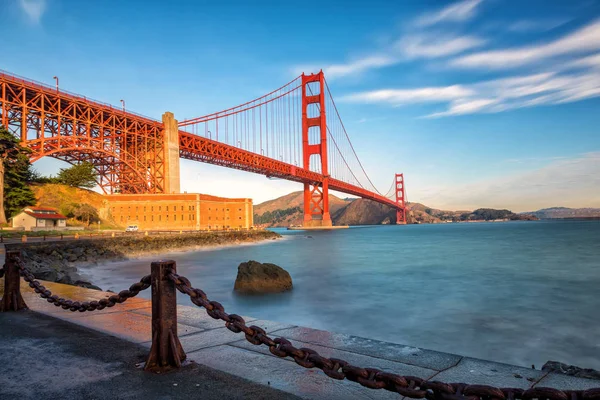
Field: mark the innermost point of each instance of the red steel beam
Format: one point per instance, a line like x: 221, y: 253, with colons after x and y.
x: 198, y: 148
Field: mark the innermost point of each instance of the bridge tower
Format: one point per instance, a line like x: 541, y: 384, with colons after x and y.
x: 401, y: 211
x: 314, y: 143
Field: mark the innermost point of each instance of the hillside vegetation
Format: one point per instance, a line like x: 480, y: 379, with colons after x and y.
x: 564, y: 212
x: 68, y: 199
x: 289, y: 210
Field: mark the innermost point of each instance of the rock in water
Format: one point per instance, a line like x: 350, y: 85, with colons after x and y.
x: 256, y: 278
x: 560, y: 368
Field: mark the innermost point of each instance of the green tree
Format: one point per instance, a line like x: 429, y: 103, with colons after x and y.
x: 80, y: 175
x: 15, y: 173
x: 86, y: 213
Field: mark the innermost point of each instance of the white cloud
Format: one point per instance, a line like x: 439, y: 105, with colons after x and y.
x: 457, y: 12
x: 459, y: 107
x: 590, y: 61
x: 584, y: 39
x: 568, y: 182
x: 493, y: 96
x: 358, y: 66
x: 34, y: 9
x: 402, y: 96
x: 433, y: 46
x: 525, y: 25
x: 354, y: 67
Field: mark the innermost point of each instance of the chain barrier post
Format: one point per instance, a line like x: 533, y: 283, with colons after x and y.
x: 12, y: 299
x: 166, y: 352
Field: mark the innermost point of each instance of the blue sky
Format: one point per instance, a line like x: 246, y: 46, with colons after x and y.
x: 481, y: 103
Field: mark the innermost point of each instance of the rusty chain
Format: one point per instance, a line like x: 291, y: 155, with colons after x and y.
x: 408, y: 386
x: 71, y: 305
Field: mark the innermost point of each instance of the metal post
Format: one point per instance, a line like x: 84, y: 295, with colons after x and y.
x: 12, y: 299
x: 166, y: 352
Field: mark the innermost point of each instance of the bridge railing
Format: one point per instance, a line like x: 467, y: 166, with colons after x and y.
x: 167, y: 353
x: 76, y: 96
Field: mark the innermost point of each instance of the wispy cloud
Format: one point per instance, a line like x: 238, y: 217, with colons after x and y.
x: 406, y: 48
x: 34, y: 9
x: 402, y: 96
x: 416, y: 43
x: 528, y: 25
x: 584, y: 39
x: 493, y: 96
x: 457, y: 12
x: 433, y: 46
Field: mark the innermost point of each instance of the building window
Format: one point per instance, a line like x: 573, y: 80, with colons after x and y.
x: 144, y: 208
x: 209, y: 218
x: 175, y: 217
x: 240, y: 217
x: 167, y: 208
x: 159, y: 218
x: 151, y: 208
x: 182, y: 217
x: 239, y: 209
x: 181, y: 208
x: 144, y: 218
x: 228, y: 209
x: 159, y: 208
x: 152, y: 218
x: 121, y: 218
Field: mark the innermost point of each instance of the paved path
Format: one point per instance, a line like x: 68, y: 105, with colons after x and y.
x: 207, y: 342
x: 46, y: 358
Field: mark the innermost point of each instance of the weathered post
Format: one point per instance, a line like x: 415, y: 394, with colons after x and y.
x: 12, y: 299
x: 166, y: 352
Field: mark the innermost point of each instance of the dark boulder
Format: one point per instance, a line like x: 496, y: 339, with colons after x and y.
x: 560, y: 368
x: 256, y: 278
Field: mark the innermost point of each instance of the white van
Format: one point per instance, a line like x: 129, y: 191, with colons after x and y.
x: 131, y: 228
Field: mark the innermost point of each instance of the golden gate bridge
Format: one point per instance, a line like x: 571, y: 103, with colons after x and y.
x: 294, y: 133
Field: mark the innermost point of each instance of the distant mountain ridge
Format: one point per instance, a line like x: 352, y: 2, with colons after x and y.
x: 565, y: 212
x: 288, y: 210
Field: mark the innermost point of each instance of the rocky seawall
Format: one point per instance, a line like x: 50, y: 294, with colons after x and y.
x: 58, y: 261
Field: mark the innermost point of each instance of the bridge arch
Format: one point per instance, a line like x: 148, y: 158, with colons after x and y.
x: 115, y: 175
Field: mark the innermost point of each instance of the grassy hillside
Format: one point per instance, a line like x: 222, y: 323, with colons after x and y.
x: 62, y: 197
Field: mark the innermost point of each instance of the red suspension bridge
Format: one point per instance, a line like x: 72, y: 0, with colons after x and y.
x: 293, y: 133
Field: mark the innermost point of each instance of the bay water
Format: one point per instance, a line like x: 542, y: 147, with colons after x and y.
x: 516, y: 292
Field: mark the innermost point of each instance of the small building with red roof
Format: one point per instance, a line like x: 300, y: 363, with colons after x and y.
x: 39, y: 218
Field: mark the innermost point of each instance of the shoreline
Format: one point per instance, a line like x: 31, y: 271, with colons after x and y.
x: 61, y: 261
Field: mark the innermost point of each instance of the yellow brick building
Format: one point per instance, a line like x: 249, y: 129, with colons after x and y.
x: 182, y: 211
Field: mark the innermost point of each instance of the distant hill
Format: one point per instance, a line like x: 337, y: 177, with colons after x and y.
x: 564, y: 212
x: 288, y: 210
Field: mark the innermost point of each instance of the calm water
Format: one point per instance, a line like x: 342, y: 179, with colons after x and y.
x: 518, y: 292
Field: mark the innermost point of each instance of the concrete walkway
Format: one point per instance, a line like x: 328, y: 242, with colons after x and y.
x: 207, y: 342
x: 45, y: 358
